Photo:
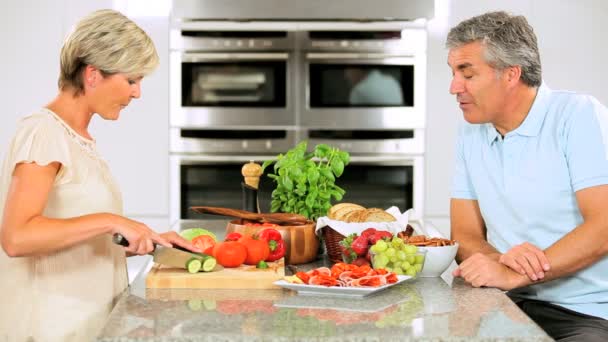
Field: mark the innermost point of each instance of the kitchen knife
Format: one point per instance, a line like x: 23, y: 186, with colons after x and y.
x: 170, y: 256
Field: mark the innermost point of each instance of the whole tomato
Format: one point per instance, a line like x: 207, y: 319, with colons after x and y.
x: 257, y: 250
x: 230, y: 253
x: 205, y: 243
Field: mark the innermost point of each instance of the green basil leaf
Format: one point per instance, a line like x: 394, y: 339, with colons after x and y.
x: 337, y: 167
x: 344, y: 157
x: 286, y: 181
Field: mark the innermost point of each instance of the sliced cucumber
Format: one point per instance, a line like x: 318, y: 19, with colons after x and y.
x: 194, y: 265
x: 209, y: 264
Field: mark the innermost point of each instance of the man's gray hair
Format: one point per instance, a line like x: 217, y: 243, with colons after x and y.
x: 508, y: 40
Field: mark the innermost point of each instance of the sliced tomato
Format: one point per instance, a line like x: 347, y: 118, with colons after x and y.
x: 205, y: 243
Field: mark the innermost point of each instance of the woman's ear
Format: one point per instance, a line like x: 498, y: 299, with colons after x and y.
x: 91, y: 76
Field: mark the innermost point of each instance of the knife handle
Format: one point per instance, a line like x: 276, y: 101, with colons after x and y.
x: 120, y: 240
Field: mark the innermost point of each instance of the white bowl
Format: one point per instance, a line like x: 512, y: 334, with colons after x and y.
x: 437, y: 260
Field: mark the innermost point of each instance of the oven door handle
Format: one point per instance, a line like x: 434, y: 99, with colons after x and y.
x: 211, y: 159
x: 352, y: 56
x: 205, y: 57
x: 385, y: 160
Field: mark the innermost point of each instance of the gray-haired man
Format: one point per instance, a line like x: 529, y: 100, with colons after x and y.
x: 531, y: 182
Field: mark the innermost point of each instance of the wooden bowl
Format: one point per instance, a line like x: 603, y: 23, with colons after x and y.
x: 301, y: 243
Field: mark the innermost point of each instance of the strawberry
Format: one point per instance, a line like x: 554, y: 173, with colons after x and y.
x: 361, y: 261
x: 368, y: 232
x: 381, y: 234
x: 360, y: 245
x: 346, y: 248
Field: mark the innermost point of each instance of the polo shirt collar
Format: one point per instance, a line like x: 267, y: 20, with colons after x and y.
x: 533, y: 121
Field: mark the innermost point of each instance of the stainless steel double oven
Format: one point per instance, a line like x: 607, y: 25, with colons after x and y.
x: 246, y: 91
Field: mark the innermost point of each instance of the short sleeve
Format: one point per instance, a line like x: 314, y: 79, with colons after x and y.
x: 42, y: 140
x: 461, y: 181
x: 586, y: 145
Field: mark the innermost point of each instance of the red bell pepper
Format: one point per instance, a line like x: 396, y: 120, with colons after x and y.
x: 233, y: 237
x: 275, y: 243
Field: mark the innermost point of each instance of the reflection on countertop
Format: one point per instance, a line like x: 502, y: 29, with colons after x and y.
x: 435, y: 309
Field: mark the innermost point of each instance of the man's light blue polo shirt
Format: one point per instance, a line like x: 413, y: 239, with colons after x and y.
x: 525, y: 185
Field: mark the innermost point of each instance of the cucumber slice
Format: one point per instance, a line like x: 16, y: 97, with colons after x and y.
x: 209, y: 264
x: 194, y: 265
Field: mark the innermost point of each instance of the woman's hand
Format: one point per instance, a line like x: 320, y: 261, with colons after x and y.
x: 526, y: 259
x: 177, y: 240
x: 141, y: 238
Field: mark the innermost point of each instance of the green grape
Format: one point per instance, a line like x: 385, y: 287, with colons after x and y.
x: 390, y: 252
x: 411, y: 259
x: 411, y: 249
x: 419, y: 259
x: 374, y: 249
x: 397, y: 242
x: 393, y: 258
x: 390, y: 269
x: 411, y: 271
x: 418, y: 267
x: 396, y: 264
x: 398, y: 271
x: 380, y: 261
x: 405, y: 265
x: 401, y: 255
x: 381, y: 245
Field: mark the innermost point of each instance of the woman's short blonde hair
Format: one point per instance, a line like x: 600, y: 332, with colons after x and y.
x: 109, y: 41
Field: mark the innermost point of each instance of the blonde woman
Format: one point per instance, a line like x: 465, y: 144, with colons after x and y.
x: 60, y: 273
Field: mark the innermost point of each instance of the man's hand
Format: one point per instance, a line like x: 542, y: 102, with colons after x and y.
x: 480, y: 270
x: 526, y: 259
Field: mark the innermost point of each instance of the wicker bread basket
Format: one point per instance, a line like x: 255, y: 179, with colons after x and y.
x: 332, y: 244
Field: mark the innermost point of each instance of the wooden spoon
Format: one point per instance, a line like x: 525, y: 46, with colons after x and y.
x: 278, y: 218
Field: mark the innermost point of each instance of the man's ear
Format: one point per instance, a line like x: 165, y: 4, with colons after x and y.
x: 513, y: 74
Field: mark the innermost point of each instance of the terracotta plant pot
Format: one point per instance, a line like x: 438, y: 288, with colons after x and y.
x: 301, y: 242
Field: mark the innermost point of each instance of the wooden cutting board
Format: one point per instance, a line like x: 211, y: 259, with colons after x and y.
x: 242, y: 277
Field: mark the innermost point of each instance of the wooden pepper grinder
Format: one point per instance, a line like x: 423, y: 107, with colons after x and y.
x: 251, y: 173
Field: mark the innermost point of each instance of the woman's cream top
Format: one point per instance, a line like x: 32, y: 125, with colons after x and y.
x: 67, y: 295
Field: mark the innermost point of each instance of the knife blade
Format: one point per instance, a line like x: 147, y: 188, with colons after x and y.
x: 169, y: 256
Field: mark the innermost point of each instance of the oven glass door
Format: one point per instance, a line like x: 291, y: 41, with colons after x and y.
x: 362, y: 91
x: 217, y: 184
x: 338, y: 85
x: 377, y: 186
x: 371, y: 184
x: 234, y: 84
x: 218, y: 89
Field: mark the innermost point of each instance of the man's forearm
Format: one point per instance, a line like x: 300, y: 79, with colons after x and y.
x: 577, y: 250
x: 470, y: 245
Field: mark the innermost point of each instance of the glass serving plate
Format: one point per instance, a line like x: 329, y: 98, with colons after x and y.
x: 337, y: 291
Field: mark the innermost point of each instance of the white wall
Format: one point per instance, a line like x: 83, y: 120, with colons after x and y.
x: 570, y: 38
x: 573, y: 55
x: 136, y: 146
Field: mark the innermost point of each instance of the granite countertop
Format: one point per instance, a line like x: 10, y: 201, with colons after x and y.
x: 437, y: 309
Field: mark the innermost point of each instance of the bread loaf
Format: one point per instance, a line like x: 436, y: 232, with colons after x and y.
x: 332, y: 212
x: 354, y: 213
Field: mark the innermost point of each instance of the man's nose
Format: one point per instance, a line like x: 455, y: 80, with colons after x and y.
x: 456, y: 86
